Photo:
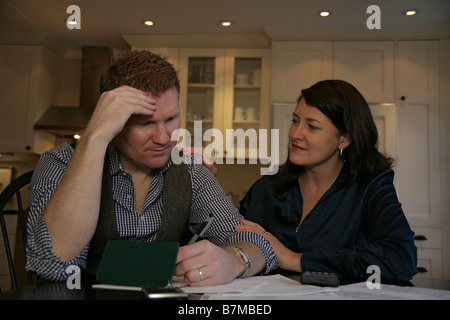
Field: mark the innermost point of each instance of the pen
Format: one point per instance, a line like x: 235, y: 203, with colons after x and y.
x: 202, y: 229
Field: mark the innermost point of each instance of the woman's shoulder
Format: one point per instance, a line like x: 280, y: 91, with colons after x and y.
x: 382, y: 173
x: 266, y: 182
x: 380, y: 176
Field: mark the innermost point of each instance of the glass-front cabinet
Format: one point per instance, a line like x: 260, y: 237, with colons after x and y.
x: 201, y: 96
x: 225, y: 101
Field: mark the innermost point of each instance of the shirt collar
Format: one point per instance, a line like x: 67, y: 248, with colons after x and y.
x: 116, y: 165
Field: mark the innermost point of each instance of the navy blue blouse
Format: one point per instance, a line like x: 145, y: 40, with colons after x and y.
x: 352, y: 226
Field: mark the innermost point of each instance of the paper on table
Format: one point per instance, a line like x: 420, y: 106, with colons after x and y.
x: 237, y: 285
x: 274, y: 285
x: 390, y: 292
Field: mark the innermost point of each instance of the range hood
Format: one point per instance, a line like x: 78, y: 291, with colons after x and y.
x: 64, y: 121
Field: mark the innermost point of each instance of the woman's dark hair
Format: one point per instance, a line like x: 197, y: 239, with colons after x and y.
x: 344, y: 105
x: 142, y: 70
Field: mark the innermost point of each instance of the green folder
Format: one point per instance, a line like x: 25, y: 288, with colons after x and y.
x: 140, y: 264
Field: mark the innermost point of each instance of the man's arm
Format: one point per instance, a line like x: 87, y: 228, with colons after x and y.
x: 71, y: 214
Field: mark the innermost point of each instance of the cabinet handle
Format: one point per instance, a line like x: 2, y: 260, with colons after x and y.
x: 422, y: 269
x: 420, y: 237
x: 403, y: 98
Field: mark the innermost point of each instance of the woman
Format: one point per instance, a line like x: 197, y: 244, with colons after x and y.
x: 332, y: 207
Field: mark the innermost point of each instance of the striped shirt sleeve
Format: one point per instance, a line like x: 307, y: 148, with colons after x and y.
x: 209, y: 197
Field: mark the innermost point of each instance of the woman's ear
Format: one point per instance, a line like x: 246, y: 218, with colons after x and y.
x: 345, y: 141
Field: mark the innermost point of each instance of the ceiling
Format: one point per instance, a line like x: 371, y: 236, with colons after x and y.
x: 104, y: 22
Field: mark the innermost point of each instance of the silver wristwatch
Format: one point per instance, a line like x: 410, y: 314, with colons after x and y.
x: 245, y: 258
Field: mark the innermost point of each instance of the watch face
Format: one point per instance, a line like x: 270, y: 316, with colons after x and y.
x: 244, y: 256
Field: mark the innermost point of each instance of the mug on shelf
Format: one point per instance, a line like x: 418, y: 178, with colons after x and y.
x: 251, y: 114
x: 239, y: 114
x: 256, y: 77
x: 241, y: 78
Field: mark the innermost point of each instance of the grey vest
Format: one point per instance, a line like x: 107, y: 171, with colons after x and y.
x: 177, y: 196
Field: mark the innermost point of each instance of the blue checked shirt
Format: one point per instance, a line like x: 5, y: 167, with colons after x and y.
x: 207, y: 197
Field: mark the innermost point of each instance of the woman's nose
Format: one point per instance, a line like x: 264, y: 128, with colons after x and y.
x: 297, y: 133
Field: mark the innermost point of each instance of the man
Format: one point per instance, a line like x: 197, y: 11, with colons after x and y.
x: 132, y: 126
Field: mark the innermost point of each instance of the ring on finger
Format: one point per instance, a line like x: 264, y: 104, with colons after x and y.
x: 200, y: 273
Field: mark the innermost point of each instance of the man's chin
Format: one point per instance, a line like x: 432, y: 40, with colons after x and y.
x: 157, y: 160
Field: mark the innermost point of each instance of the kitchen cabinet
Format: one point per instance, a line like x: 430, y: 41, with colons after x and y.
x: 202, y: 93
x: 368, y: 65
x: 27, y: 82
x: 417, y: 74
x: 298, y: 65
x: 385, y: 118
x: 418, y: 167
x: 222, y: 91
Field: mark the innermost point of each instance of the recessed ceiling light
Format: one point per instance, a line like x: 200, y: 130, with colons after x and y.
x: 225, y: 23
x: 410, y: 13
x: 324, y: 13
x: 149, y: 23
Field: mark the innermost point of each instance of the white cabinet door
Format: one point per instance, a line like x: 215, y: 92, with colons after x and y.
x: 368, y: 65
x: 16, y: 88
x: 27, y: 86
x: 418, y: 168
x: 385, y: 117
x: 418, y: 128
x: 297, y: 65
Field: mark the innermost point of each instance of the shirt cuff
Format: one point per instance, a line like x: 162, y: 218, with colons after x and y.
x: 262, y: 243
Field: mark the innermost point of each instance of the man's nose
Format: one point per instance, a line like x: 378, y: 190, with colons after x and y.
x: 161, y: 134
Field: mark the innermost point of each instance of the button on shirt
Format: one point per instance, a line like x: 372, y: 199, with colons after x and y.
x: 207, y: 197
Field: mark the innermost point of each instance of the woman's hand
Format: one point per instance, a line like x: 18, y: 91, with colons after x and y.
x: 287, y: 259
x: 207, y: 162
